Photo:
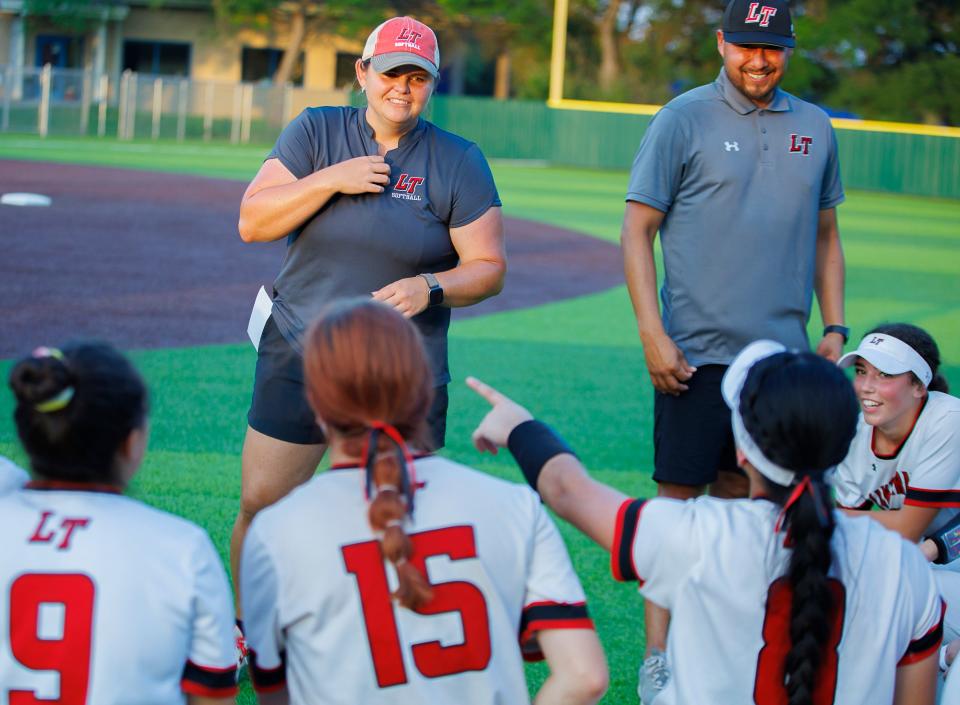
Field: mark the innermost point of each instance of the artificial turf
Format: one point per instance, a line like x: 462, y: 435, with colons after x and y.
x: 576, y: 363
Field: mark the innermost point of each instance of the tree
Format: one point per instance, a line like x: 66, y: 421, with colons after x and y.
x: 301, y: 18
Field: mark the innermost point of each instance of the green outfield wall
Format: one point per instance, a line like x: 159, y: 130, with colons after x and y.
x: 925, y: 165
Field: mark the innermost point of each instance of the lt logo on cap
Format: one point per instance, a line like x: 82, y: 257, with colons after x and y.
x: 762, y: 17
x: 406, y: 38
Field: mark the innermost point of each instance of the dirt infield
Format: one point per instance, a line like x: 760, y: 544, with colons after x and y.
x: 145, y: 260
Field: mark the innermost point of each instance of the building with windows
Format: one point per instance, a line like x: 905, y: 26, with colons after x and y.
x: 175, y: 38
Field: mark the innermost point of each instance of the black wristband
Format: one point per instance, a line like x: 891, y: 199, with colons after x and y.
x: 532, y: 445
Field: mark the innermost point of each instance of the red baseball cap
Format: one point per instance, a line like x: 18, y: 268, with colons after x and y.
x: 402, y: 41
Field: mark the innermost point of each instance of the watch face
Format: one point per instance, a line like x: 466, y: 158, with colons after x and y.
x: 436, y: 295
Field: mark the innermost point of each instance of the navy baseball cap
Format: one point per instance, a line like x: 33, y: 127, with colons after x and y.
x: 758, y: 22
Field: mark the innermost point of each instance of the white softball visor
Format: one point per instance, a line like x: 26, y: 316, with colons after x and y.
x: 890, y: 355
x: 730, y: 388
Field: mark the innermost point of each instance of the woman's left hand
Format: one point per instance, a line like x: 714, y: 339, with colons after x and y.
x: 407, y: 296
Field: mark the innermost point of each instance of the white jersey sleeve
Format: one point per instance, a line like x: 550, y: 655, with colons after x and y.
x: 554, y: 598
x: 259, y: 595
x: 935, y: 476
x: 211, y: 667
x: 926, y: 629
x: 655, y: 543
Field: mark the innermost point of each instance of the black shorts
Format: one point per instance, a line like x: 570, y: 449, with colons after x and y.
x: 692, y: 434
x: 279, y: 408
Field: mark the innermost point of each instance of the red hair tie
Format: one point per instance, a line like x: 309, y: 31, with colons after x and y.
x: 805, y: 485
x: 408, y: 475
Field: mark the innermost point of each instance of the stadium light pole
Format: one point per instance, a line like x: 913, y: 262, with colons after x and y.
x: 558, y: 52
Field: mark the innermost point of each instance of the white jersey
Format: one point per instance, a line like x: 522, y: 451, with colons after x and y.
x: 109, y: 602
x: 316, y: 592
x: 718, y: 566
x: 923, y: 472
x: 12, y: 476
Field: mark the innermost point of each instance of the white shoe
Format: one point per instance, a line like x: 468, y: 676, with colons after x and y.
x: 654, y: 675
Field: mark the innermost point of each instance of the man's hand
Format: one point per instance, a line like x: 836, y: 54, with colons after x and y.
x: 830, y: 347
x: 407, y: 296
x: 666, y: 364
x: 360, y: 175
x: 506, y: 415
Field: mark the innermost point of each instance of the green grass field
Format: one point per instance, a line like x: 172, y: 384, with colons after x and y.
x: 577, y: 363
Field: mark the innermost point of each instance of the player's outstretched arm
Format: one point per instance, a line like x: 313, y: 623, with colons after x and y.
x: 549, y: 465
x: 917, y: 682
x: 578, y: 669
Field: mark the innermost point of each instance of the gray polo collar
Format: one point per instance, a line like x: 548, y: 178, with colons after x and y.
x: 731, y: 95
x: 367, y: 131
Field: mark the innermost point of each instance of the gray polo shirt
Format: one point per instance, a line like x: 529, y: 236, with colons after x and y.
x: 355, y: 245
x: 742, y: 189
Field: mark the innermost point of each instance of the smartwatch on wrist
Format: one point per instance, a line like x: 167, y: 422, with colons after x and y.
x: 435, y: 290
x: 842, y: 330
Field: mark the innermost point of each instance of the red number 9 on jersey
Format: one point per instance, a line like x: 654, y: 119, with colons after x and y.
x: 69, y: 654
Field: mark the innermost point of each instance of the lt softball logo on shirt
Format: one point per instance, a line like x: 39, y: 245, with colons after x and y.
x: 800, y: 144
x: 763, y: 17
x: 407, y: 186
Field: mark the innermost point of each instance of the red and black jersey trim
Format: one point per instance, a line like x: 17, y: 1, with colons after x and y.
x: 267, y: 680
x: 921, y: 648
x: 209, y: 681
x: 538, y: 616
x: 903, y: 441
x: 621, y: 553
x: 865, y: 506
x: 917, y: 497
x: 61, y: 485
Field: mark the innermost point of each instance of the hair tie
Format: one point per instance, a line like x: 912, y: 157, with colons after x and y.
x: 805, y: 485
x: 57, y: 403
x: 44, y: 351
x: 408, y: 477
x: 394, y: 522
x: 64, y: 397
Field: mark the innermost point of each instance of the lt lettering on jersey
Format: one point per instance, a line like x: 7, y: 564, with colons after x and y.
x: 892, y: 494
x: 406, y: 187
x: 761, y: 17
x: 800, y: 144
x: 59, y: 531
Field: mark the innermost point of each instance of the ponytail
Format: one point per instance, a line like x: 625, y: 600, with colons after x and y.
x: 809, y: 524
x: 801, y: 413
x: 391, y: 485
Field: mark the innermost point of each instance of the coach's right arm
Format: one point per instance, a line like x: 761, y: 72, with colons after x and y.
x: 666, y: 364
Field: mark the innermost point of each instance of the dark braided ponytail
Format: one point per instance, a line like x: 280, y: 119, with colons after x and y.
x: 368, y: 379
x: 802, y: 413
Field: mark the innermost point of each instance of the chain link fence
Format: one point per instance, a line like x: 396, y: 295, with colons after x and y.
x: 52, y: 101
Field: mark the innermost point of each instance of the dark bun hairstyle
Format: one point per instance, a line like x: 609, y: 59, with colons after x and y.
x: 75, y: 407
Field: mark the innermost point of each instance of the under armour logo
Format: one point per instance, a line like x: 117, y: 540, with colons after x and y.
x: 732, y: 146
x: 762, y: 17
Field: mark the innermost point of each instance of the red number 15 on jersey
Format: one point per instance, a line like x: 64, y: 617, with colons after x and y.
x: 365, y: 562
